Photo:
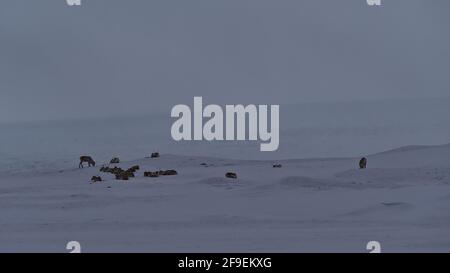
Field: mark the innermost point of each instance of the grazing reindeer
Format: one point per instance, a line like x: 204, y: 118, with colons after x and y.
x: 96, y: 179
x: 151, y: 174
x: 363, y: 163
x: 87, y: 159
x: 115, y: 160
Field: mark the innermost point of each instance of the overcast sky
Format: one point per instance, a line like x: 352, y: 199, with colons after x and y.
x: 138, y: 56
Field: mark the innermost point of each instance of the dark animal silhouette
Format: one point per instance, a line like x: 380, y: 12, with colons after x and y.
x: 151, y: 174
x: 115, y: 160
x: 231, y: 175
x: 134, y: 168
x: 363, y: 163
x: 87, y: 159
x: 96, y: 179
x: 129, y: 174
x: 120, y: 173
x: 115, y: 170
x: 168, y: 172
x: 122, y: 176
x: 160, y: 173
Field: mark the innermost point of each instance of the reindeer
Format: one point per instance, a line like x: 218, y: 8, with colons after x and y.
x: 115, y: 160
x: 231, y: 175
x: 363, y: 163
x: 96, y: 179
x: 87, y: 159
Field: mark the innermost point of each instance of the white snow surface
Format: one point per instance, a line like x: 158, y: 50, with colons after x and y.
x: 309, y: 205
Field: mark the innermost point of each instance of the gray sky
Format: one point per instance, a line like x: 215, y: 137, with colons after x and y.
x: 139, y: 56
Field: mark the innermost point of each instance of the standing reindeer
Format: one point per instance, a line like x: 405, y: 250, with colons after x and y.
x: 363, y: 163
x: 87, y: 159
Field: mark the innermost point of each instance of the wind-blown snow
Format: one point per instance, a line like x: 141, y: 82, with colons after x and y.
x: 310, y: 205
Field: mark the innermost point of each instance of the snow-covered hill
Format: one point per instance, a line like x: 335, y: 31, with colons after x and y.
x: 327, y: 205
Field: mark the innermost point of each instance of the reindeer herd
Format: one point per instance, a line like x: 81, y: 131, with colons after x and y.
x: 122, y: 174
x: 125, y: 175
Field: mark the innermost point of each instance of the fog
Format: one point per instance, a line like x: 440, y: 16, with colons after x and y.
x: 116, y: 57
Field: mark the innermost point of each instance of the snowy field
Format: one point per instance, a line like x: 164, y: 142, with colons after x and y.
x: 309, y: 205
x: 351, y: 80
x: 309, y: 130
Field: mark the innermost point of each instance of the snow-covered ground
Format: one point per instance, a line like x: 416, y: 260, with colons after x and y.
x: 309, y: 130
x: 309, y: 205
